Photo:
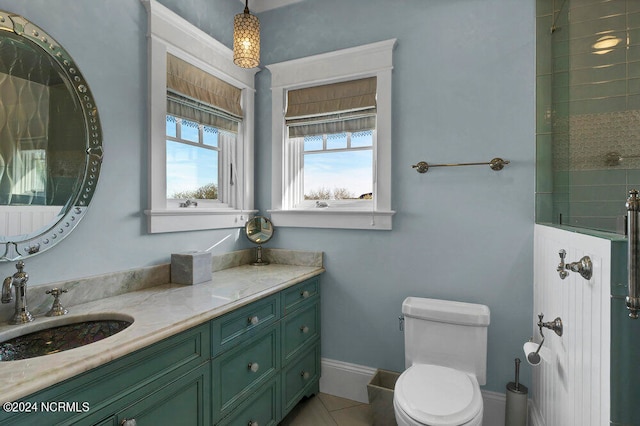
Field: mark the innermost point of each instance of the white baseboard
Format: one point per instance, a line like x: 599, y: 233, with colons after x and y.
x: 350, y: 381
x: 345, y: 380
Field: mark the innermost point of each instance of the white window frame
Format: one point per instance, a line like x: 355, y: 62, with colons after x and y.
x: 371, y: 60
x: 170, y: 33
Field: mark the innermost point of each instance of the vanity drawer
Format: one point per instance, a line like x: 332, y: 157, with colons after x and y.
x: 239, y: 372
x: 300, y: 378
x: 263, y: 408
x: 239, y: 325
x: 294, y: 296
x: 298, y: 329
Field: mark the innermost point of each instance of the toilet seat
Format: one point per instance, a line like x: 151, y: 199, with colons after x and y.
x: 438, y: 396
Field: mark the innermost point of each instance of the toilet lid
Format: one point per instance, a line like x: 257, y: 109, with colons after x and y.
x: 435, y: 395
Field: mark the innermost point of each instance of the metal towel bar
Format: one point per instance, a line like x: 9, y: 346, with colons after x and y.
x: 495, y: 164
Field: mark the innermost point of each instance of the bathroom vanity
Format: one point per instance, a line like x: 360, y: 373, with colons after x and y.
x: 241, y: 349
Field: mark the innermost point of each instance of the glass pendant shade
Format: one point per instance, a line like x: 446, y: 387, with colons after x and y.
x: 246, y: 40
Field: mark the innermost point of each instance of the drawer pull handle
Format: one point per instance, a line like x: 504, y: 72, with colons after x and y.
x: 128, y: 422
x: 253, y: 366
x: 253, y: 320
x: 305, y: 375
x: 304, y: 329
x: 304, y: 294
x: 252, y: 423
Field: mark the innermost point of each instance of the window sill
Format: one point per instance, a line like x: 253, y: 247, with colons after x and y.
x: 333, y: 218
x: 192, y: 219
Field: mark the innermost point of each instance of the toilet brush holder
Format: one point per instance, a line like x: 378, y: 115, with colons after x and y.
x: 516, y: 407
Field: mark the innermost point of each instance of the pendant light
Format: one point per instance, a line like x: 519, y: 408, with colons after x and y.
x: 246, y: 39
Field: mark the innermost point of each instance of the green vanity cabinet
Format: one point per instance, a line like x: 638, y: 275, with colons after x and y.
x: 251, y: 365
x: 172, y: 370
x: 286, y: 349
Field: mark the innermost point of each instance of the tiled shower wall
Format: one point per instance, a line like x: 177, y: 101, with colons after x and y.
x: 588, y: 111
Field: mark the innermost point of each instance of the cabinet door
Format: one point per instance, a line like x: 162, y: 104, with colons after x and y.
x: 239, y: 372
x: 300, y: 378
x: 299, y: 329
x: 183, y: 402
x: 262, y: 408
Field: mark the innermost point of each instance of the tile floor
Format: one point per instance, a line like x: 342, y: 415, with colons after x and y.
x: 328, y: 410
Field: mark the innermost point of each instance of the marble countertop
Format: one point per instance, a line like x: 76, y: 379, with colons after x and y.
x: 158, y: 312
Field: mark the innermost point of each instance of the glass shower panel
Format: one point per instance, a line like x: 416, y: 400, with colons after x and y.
x: 588, y: 111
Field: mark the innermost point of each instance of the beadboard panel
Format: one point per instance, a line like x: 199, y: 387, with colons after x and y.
x: 572, y: 386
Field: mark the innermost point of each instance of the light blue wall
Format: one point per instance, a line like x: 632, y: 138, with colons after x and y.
x: 463, y: 91
x: 107, y: 39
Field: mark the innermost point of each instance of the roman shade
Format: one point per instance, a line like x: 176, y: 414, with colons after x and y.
x: 348, y: 106
x: 197, y: 95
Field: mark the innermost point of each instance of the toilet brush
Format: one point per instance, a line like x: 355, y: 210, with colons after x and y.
x: 516, y: 407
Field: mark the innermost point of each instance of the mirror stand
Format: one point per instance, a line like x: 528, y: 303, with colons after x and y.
x: 259, y: 230
x: 259, y: 261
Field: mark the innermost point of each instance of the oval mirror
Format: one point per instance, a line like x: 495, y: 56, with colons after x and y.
x: 259, y: 230
x: 51, y: 140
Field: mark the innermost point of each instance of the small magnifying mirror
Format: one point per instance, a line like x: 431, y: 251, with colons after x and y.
x: 259, y: 230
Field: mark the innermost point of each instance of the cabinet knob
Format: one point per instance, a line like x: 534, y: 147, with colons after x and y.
x: 304, y: 294
x: 253, y: 320
x: 128, y: 422
x: 304, y: 374
x: 304, y: 329
x: 253, y: 366
x: 252, y: 423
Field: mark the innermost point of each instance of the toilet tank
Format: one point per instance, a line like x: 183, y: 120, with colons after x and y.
x: 447, y: 333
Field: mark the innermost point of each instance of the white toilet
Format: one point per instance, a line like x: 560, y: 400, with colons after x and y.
x: 446, y: 362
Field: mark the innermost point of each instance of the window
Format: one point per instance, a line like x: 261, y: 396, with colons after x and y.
x: 193, y: 167
x: 332, y: 139
x: 201, y: 117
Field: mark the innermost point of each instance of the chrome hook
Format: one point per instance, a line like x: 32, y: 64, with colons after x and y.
x: 583, y: 266
x: 555, y: 325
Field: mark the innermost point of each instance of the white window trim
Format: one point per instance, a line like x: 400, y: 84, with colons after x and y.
x: 170, y: 33
x: 370, y: 60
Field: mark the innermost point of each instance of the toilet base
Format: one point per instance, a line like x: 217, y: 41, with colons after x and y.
x: 402, y: 419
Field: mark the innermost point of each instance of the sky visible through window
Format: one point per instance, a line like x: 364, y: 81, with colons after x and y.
x: 330, y: 162
x: 190, y: 167
x: 339, y: 163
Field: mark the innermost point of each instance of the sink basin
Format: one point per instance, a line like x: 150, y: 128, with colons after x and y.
x: 61, y: 336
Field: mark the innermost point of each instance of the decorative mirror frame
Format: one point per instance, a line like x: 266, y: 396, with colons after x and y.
x: 76, y: 207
